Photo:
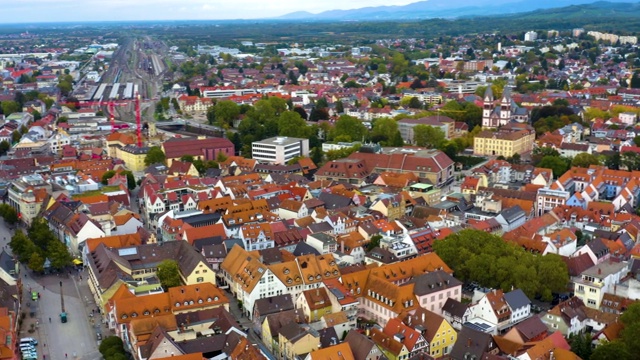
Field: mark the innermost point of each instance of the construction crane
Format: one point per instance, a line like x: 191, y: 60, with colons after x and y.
x: 109, y: 104
x: 111, y: 109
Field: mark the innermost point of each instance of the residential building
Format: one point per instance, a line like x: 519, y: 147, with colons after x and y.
x: 315, y: 303
x: 279, y: 150
x: 433, y: 289
x: 549, y: 199
x: 362, y: 347
x: 132, y: 156
x: 438, y: 334
x: 568, y: 317
x: 519, y: 304
x: 594, y: 282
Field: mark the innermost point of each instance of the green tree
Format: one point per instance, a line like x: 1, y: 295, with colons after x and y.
x: 429, y: 136
x: 226, y: 112
x: 111, y: 342
x: 384, y: 130
x: 169, y: 274
x: 557, y: 164
x: 581, y: 345
x: 630, y: 160
x: 108, y: 175
x: 479, y: 256
x: 131, y: 180
x: 36, y: 262
x: 187, y: 158
x: 318, y: 114
x: 415, y: 103
x: 59, y: 255
x: 374, y: 242
x: 631, y: 328
x: 155, y: 156
x: 9, y: 214
x: 339, y: 107
x: 16, y: 136
x: 585, y: 160
x: 349, y: 128
x: 4, y: 147
x: 316, y: 155
x: 22, y: 247
x: 9, y: 107
x: 291, y: 124
x: 611, y: 351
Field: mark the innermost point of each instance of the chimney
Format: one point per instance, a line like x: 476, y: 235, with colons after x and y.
x: 468, y: 342
x: 599, y: 271
x: 342, y: 246
x: 423, y: 316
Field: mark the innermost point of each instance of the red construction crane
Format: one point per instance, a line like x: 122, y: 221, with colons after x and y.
x: 111, y: 108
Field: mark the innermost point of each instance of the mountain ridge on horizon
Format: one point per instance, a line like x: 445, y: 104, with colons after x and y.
x: 426, y: 9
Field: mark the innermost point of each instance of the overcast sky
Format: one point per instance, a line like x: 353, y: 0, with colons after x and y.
x: 20, y: 11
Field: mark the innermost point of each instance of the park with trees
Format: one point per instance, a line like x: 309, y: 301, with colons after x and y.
x: 492, y: 262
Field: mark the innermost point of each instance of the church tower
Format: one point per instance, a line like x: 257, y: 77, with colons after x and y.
x: 505, y: 107
x: 487, y: 108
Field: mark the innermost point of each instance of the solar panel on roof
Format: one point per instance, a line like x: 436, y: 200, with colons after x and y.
x: 339, y: 295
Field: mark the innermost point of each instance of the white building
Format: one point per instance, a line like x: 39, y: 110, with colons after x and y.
x: 279, y: 150
x: 530, y: 36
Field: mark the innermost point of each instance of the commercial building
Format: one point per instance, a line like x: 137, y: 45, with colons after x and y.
x: 27, y: 194
x: 279, y: 150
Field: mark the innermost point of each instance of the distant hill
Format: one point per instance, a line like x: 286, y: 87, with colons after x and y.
x: 457, y: 9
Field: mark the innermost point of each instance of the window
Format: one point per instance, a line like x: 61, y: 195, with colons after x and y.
x: 200, y: 279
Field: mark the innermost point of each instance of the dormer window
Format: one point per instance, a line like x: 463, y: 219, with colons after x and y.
x: 124, y: 316
x: 186, y: 303
x: 208, y: 299
x: 146, y: 313
x: 310, y: 277
x: 215, y: 298
x: 191, y: 302
x: 134, y: 314
x: 177, y: 304
x: 286, y: 271
x: 318, y: 277
x: 327, y: 274
x: 200, y: 301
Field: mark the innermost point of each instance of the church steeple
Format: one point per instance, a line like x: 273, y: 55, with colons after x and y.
x: 487, y: 107
x: 505, y: 106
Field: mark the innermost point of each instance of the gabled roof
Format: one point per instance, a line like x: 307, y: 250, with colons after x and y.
x: 517, y: 299
x: 434, y: 281
x: 341, y: 351
x: 470, y: 343
x: 531, y: 328
x: 360, y: 344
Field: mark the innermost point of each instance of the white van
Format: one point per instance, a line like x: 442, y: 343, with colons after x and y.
x: 28, y: 340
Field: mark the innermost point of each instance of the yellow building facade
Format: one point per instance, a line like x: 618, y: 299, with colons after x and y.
x: 504, y: 142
